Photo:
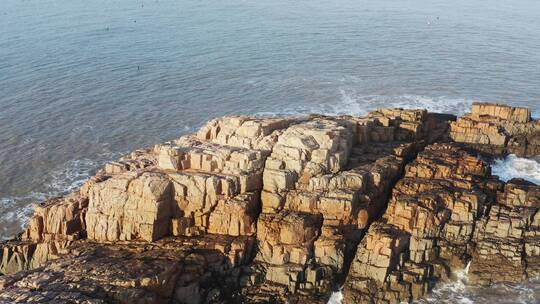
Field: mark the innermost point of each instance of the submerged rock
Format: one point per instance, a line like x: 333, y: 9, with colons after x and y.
x: 286, y: 210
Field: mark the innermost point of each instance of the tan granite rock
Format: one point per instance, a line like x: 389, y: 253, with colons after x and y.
x: 60, y: 218
x: 244, y: 131
x: 130, y: 206
x: 501, y: 111
x: 337, y: 173
x: 18, y: 256
x: 498, y: 129
x: 432, y: 211
x: 283, y: 210
x: 507, y: 239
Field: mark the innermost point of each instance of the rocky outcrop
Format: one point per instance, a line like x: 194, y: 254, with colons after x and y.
x: 275, y: 210
x: 444, y: 213
x: 508, y: 238
x: 426, y: 230
x: 169, y: 270
x: 498, y: 129
x: 324, y: 183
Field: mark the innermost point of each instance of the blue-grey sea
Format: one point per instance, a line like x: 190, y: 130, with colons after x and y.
x: 84, y: 81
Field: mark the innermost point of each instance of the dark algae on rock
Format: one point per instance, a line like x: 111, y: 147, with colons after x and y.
x: 286, y: 210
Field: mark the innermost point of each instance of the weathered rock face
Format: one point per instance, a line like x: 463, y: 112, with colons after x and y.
x: 323, y: 183
x: 445, y: 212
x: 275, y: 210
x: 508, y: 243
x: 426, y: 229
x: 498, y: 129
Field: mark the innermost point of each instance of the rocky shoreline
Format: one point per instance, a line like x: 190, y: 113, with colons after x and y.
x: 287, y: 210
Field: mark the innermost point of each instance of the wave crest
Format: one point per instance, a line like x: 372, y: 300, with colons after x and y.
x: 517, y: 167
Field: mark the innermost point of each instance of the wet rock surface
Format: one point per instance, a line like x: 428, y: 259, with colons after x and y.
x: 286, y: 210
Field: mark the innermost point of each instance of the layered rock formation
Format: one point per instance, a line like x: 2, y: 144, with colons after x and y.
x: 426, y: 230
x: 275, y: 210
x: 324, y: 183
x: 498, y: 130
x: 508, y: 237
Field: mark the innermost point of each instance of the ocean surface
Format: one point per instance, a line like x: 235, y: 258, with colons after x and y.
x: 83, y: 82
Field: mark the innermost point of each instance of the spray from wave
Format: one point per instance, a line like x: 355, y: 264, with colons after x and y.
x: 336, y: 298
x: 517, y: 167
x: 456, y: 290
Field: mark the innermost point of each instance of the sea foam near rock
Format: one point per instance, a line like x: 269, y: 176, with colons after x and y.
x: 14, y: 213
x: 336, y: 297
x: 16, y: 210
x: 436, y: 104
x: 455, y: 290
x: 352, y: 102
x: 517, y: 167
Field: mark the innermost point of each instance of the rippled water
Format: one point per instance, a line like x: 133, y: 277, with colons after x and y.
x: 82, y: 82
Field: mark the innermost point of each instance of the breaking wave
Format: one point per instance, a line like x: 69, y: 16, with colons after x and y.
x: 456, y: 291
x: 517, y: 167
x: 336, y: 297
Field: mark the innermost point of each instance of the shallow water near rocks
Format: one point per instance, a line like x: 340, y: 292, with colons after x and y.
x: 83, y: 82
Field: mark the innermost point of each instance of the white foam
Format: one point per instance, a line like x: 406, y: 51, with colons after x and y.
x: 438, y: 104
x: 526, y: 293
x: 71, y: 176
x: 336, y: 297
x: 16, y: 210
x: 517, y: 167
x: 351, y: 102
x: 456, y: 290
